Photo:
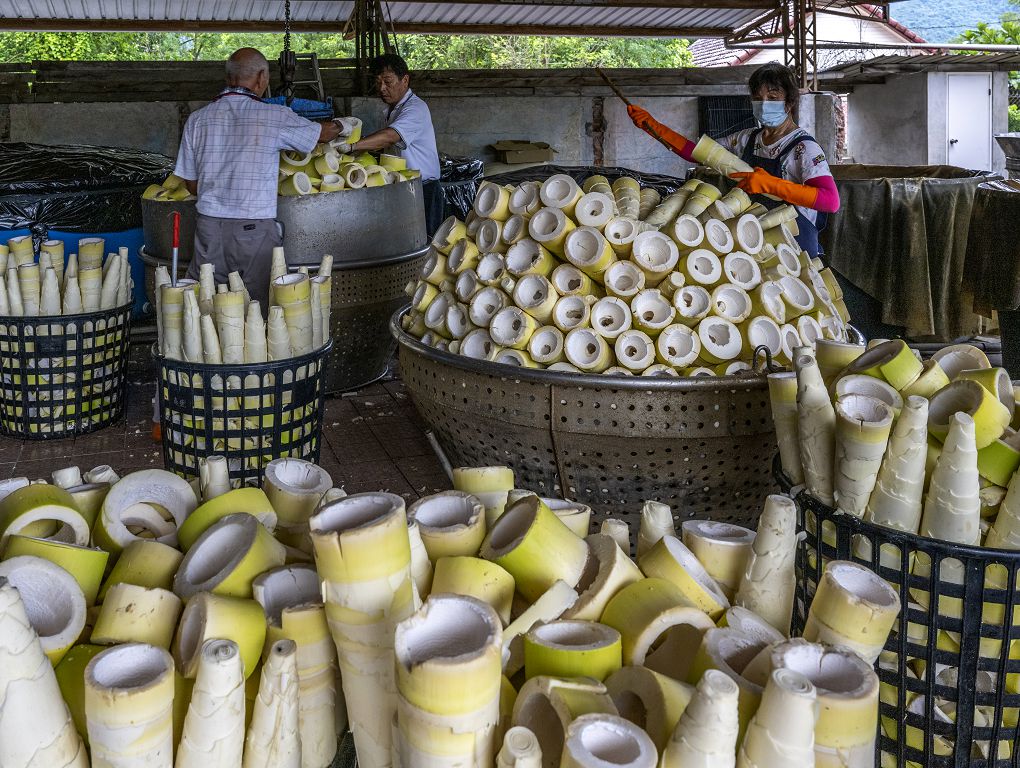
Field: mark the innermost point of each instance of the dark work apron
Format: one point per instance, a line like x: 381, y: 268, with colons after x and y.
x: 808, y: 234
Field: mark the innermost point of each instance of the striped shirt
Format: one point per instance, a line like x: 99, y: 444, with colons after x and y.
x: 232, y: 149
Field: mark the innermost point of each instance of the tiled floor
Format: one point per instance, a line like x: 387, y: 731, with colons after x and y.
x: 373, y: 440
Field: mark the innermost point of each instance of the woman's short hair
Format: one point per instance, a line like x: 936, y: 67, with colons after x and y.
x: 776, y: 75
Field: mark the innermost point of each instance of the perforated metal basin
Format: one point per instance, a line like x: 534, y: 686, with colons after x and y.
x: 702, y: 445
x: 365, y: 295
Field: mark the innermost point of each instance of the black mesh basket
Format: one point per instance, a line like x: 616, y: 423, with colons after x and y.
x: 250, y: 413
x: 950, y: 693
x: 63, y: 375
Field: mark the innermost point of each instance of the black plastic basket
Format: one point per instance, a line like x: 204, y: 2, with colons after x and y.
x: 962, y: 628
x: 251, y: 413
x: 63, y: 375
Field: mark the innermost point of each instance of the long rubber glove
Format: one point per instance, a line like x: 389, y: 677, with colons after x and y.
x: 761, y: 182
x: 669, y: 138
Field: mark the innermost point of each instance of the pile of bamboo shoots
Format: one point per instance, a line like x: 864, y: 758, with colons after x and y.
x: 205, y: 322
x: 146, y: 620
x: 52, y: 284
x: 613, y: 279
x: 160, y: 621
x: 326, y: 170
x: 923, y: 447
x: 171, y: 190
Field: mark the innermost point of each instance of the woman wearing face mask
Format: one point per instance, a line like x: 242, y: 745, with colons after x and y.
x: 788, y: 163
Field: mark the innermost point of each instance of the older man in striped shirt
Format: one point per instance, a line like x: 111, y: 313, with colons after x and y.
x: 229, y: 158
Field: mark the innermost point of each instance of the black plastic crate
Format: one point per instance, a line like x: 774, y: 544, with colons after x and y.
x: 250, y: 413
x: 63, y: 375
x: 962, y: 628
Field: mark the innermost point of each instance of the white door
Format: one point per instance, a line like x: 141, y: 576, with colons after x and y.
x: 969, y: 120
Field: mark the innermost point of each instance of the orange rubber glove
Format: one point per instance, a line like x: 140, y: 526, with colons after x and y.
x: 761, y: 182
x: 669, y: 138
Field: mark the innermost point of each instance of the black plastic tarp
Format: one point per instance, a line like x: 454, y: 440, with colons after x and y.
x: 459, y: 177
x: 75, y: 188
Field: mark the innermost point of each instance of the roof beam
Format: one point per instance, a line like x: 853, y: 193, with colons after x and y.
x: 162, y: 25
x: 586, y: 30
x: 762, y: 5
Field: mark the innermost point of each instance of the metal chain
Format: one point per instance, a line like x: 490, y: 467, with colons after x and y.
x: 286, y: 26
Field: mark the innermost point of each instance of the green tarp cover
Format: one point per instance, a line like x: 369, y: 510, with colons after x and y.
x: 993, y: 248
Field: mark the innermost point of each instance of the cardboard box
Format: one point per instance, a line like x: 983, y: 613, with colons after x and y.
x: 512, y: 151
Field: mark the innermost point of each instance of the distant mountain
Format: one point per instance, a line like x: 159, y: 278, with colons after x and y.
x: 939, y: 21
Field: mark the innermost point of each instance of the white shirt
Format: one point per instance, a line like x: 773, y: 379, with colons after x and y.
x: 806, y: 161
x: 410, y: 117
x: 232, y: 149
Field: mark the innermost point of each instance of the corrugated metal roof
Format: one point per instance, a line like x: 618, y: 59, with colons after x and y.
x: 877, y: 69
x: 589, y: 17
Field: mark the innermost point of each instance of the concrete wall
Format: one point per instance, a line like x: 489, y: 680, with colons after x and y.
x: 903, y: 121
x: 465, y: 126
x: 886, y: 124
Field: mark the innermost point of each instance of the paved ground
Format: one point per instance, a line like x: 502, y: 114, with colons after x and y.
x: 373, y: 440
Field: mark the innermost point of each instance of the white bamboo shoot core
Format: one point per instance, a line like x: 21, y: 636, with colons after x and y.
x: 952, y: 507
x: 568, y: 280
x: 491, y: 268
x: 709, y: 152
x: 514, y: 230
x: 701, y: 267
x: 546, y: 345
x: 862, y: 385
x: 607, y: 741
x: 550, y: 227
x: 36, y: 728
x: 610, y: 316
x: 520, y: 749
x: 129, y: 695
x: 767, y: 587
x: 670, y: 559
x: 450, y: 231
x: 535, y: 547
x: 706, y: 733
x: 134, y: 614
x: 649, y: 700
x: 782, y: 731
x: 635, y: 350
x: 816, y: 425
x: 547, y: 706
x: 620, y: 232
x: 747, y: 233
x: 560, y: 191
x: 448, y: 683
x: 693, y: 303
x: 273, y: 739
x: 434, y: 270
x: 656, y: 255
x: 688, y: 233
x: 53, y: 601
x: 955, y: 358
x: 513, y: 327
x: 213, y: 731
x: 627, y: 193
x: 677, y: 346
x: 595, y: 209
x: 731, y: 303
x: 668, y: 209
x: 779, y: 215
x: 853, y: 608
x: 588, y: 350
x: 571, y: 312
x: 451, y: 524
x: 742, y: 270
x: 528, y: 257
x: 572, y: 648
x: 895, y: 501
x: 718, y: 237
x: 660, y: 628
x: 863, y: 425
x: 478, y: 344
x: 485, y: 304
x: 624, y: 279
x: 277, y: 336
x: 651, y: 311
x: 525, y: 199
x: 723, y: 549
x: 463, y: 256
x: 990, y: 417
x: 492, y: 202
x: 783, y: 401
x: 720, y: 340
x: 763, y: 331
x: 536, y: 296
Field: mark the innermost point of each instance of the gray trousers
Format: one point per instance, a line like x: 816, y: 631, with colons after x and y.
x: 237, y: 245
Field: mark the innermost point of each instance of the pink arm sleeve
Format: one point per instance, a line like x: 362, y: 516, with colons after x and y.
x: 828, y: 196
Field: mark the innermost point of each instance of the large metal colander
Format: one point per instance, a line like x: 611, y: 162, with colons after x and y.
x: 702, y: 445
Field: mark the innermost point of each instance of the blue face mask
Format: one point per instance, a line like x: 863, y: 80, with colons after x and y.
x: 769, y: 113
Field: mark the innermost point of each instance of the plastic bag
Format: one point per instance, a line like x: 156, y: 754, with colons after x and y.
x: 459, y: 179
x: 75, y: 188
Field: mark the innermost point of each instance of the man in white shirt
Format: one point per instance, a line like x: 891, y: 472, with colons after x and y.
x: 408, y: 131
x: 229, y: 158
